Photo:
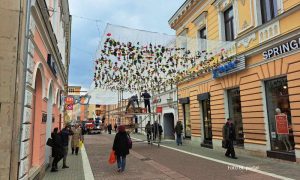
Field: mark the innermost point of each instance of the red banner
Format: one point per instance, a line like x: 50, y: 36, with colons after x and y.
x: 282, y: 124
x: 69, y: 106
x: 69, y: 100
x: 158, y: 109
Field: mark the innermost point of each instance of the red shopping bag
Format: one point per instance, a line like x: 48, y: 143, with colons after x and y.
x: 112, y: 157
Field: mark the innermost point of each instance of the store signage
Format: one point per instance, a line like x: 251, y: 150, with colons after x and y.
x: 282, y: 124
x: 69, y: 106
x: 281, y: 49
x: 69, y: 100
x: 235, y: 65
x: 158, y: 109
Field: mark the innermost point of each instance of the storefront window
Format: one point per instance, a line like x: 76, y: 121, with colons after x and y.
x: 187, y: 120
x: 206, y: 121
x: 278, y: 104
x: 235, y: 113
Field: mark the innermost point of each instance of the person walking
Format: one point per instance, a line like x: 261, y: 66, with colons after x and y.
x: 229, y: 136
x: 115, y: 126
x: 121, y: 147
x: 178, y: 131
x: 57, y: 149
x: 77, y: 136
x: 65, y: 133
x: 147, y: 97
x: 109, y: 128
x: 148, y: 129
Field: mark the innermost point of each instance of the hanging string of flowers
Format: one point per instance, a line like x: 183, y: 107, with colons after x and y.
x: 135, y: 67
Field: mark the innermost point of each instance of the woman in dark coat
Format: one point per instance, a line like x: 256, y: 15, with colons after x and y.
x: 57, y: 149
x: 121, y: 147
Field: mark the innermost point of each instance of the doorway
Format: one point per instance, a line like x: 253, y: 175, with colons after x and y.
x: 204, y: 100
x: 169, y: 126
x: 235, y: 113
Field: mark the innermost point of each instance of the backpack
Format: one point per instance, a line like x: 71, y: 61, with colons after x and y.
x: 129, y: 141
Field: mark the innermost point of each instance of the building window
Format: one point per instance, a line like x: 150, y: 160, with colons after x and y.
x: 277, y: 97
x: 187, y: 120
x: 202, y: 41
x: 229, y: 24
x: 98, y: 112
x: 235, y: 113
x: 268, y: 10
x: 202, y: 33
x: 98, y: 106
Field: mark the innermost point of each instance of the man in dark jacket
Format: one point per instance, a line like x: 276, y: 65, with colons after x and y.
x: 156, y: 131
x: 57, y: 149
x: 65, y: 133
x: 131, y: 102
x: 121, y: 147
x: 147, y: 97
x: 178, y: 130
x: 229, y: 136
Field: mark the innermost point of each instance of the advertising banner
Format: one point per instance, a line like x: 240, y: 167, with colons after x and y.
x: 282, y: 124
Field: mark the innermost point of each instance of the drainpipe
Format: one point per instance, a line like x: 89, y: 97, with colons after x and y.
x: 25, y: 56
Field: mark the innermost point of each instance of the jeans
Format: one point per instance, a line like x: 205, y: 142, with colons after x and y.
x: 178, y: 139
x: 121, y: 161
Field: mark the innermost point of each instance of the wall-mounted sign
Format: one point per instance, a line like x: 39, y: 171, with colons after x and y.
x: 281, y: 49
x: 235, y: 65
x: 158, y: 109
x: 282, y: 124
x: 69, y: 107
x: 69, y: 100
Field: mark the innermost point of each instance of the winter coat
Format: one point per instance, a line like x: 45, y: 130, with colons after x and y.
x: 148, y: 128
x: 76, y: 137
x: 121, y: 146
x: 229, y: 132
x: 57, y: 149
x: 178, y: 128
x: 65, y: 137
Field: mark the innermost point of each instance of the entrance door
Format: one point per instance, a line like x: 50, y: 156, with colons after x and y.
x: 206, y: 116
x: 187, y: 121
x: 277, y: 97
x: 169, y: 126
x: 235, y: 113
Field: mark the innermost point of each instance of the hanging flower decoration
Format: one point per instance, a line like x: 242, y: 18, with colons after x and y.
x: 135, y: 67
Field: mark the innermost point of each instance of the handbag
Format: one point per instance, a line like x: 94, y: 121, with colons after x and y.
x: 224, y: 144
x: 50, y: 142
x: 112, y: 157
x: 80, y: 144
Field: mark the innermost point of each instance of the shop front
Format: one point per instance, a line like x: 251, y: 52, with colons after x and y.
x: 262, y: 99
x: 279, y: 119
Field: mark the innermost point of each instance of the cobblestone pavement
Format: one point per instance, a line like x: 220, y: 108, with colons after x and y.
x: 74, y: 172
x: 152, y: 162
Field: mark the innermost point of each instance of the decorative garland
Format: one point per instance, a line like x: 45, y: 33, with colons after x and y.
x: 135, y: 67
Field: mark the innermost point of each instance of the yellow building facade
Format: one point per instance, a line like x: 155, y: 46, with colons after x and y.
x: 265, y: 36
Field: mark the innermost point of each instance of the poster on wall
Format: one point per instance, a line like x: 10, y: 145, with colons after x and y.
x: 282, y: 124
x: 158, y: 109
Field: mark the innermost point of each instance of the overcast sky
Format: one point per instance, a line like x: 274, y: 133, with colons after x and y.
x: 151, y: 15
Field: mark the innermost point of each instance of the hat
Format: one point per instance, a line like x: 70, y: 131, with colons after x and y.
x: 121, y: 128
